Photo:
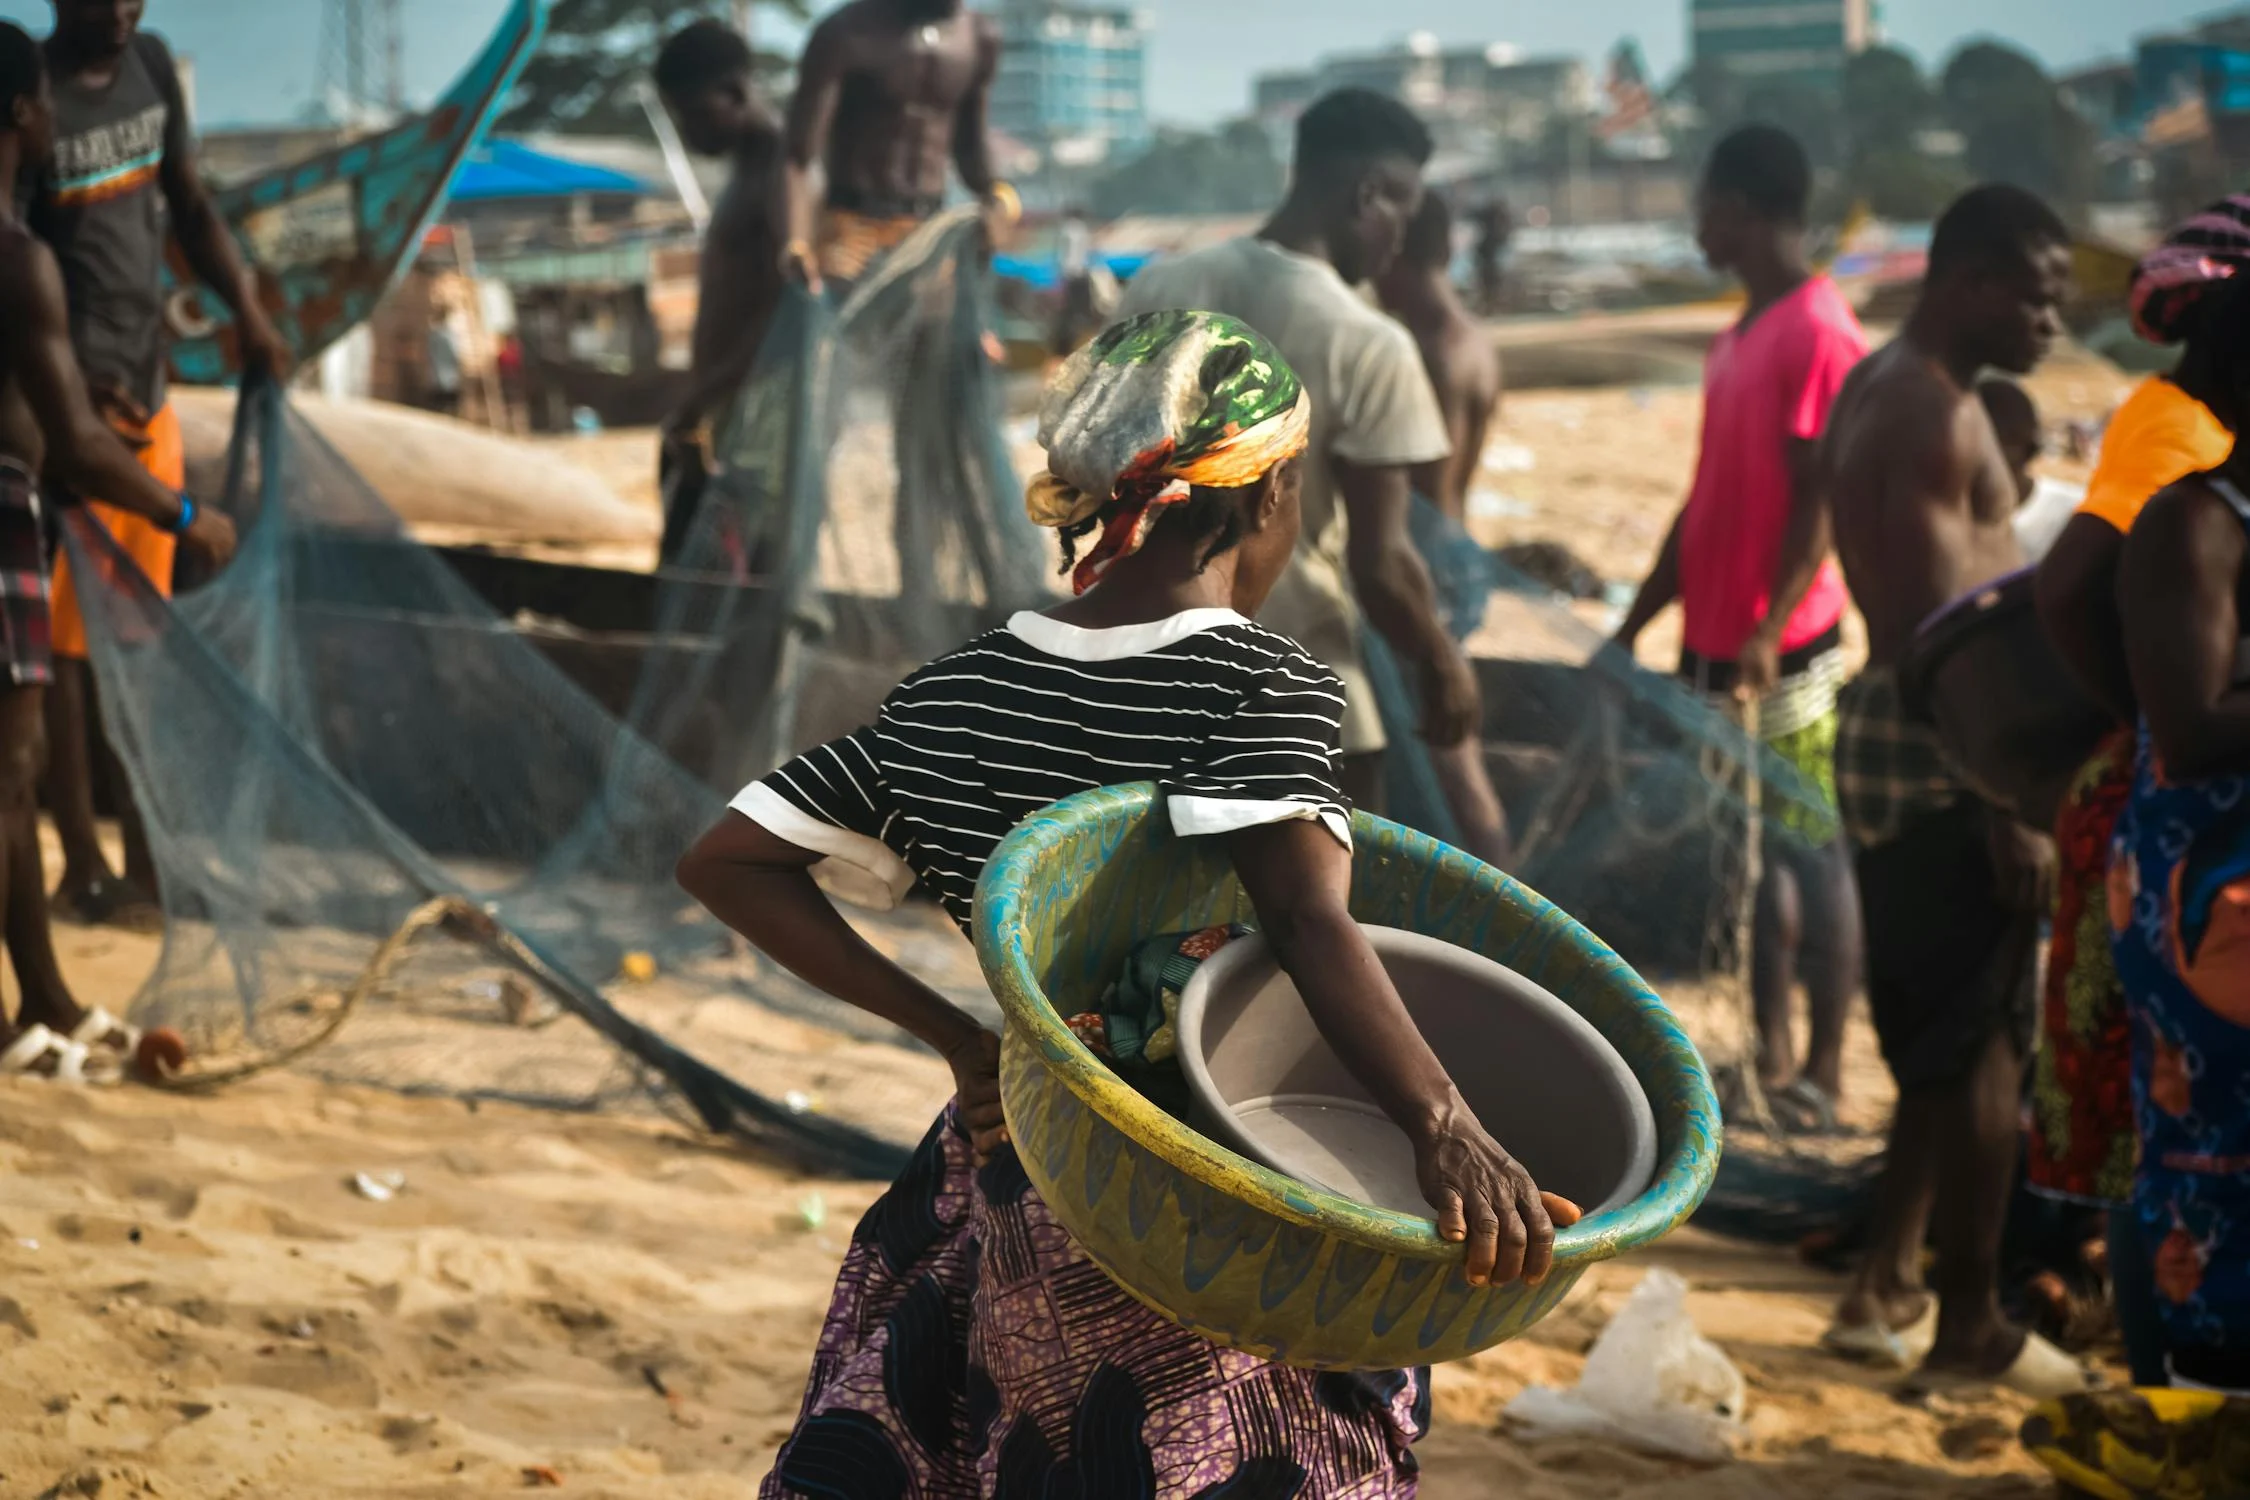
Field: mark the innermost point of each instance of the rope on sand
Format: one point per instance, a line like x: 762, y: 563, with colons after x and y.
x: 460, y: 917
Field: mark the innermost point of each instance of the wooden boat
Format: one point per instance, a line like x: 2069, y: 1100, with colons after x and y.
x: 331, y: 235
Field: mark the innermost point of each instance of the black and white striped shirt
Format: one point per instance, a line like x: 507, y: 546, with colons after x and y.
x: 1236, y: 725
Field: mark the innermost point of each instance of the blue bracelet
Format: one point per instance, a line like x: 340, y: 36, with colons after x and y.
x: 187, y: 514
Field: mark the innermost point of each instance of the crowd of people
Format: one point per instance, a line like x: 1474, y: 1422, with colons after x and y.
x: 1233, y: 468
x: 1251, y: 438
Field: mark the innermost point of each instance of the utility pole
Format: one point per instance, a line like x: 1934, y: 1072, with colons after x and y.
x: 394, y: 82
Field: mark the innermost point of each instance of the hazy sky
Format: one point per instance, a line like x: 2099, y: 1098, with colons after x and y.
x: 257, y: 59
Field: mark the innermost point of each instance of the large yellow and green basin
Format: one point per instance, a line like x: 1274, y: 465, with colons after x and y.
x: 1222, y: 1245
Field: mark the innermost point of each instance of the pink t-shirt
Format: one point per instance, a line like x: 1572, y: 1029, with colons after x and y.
x: 1762, y: 387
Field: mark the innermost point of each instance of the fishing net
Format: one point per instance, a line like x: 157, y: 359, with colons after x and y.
x: 409, y: 841
x: 339, y: 730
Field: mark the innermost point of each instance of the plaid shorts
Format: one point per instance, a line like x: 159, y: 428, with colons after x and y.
x: 26, y: 629
x: 1890, y: 769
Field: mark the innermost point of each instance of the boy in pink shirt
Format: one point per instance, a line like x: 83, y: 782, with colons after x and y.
x: 1763, y: 602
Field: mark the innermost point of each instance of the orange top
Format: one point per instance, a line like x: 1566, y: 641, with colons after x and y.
x: 2157, y: 438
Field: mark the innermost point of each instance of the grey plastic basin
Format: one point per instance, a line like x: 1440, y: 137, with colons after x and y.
x: 1540, y: 1078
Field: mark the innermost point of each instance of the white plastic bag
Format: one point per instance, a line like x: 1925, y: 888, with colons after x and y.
x: 1651, y: 1382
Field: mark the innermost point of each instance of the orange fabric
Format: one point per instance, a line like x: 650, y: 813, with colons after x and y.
x: 164, y: 455
x: 850, y: 243
x: 2157, y: 438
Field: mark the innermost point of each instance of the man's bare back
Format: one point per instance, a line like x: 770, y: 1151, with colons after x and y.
x: 1924, y: 506
x: 884, y: 84
x: 740, y: 275
x: 1465, y: 370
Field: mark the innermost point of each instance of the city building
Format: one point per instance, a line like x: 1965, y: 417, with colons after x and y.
x: 1799, y: 41
x: 1071, y: 81
x: 1484, y: 104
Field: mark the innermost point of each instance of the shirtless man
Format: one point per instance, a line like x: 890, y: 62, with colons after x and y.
x: 1464, y: 366
x: 48, y: 425
x: 888, y: 93
x: 1952, y: 891
x: 703, y: 77
x: 1464, y: 371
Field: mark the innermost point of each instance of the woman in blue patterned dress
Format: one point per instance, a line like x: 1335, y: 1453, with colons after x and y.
x: 2180, y: 886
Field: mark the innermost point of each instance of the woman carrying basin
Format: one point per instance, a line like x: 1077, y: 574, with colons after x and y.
x: 970, y: 1340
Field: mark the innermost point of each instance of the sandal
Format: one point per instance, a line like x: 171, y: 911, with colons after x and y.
x: 2041, y: 1371
x: 1880, y: 1344
x: 110, y: 1044
x: 42, y: 1053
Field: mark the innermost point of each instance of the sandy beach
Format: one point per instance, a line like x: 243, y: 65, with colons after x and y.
x: 195, y: 1301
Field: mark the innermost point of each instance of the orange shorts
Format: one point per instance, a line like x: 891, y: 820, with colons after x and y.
x: 165, y: 457
x: 851, y: 242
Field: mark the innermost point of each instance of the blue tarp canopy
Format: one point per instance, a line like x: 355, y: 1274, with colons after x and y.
x: 507, y: 169
x: 1044, y: 273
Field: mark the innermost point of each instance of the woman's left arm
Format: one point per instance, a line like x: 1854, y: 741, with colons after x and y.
x: 2176, y: 594
x: 761, y: 885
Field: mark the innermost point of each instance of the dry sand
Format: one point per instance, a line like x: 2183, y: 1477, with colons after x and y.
x: 195, y: 1303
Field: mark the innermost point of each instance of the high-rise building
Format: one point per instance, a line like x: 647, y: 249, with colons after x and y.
x: 1800, y: 41
x: 1071, y: 81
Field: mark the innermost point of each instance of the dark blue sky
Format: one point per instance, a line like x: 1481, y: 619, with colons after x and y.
x: 257, y: 59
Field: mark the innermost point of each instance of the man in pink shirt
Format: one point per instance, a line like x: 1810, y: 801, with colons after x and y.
x: 1749, y: 562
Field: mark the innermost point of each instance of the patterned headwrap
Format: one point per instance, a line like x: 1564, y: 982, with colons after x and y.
x: 2174, y: 278
x: 1152, y: 406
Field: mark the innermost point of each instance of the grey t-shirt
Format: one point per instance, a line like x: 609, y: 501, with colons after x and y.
x: 1372, y: 406
x: 100, y: 204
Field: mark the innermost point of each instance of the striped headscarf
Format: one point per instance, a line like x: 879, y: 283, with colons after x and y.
x: 2174, y: 278
x: 1154, y: 405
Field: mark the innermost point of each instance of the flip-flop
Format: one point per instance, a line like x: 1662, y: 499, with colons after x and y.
x: 110, y: 1044
x: 2042, y: 1372
x: 42, y: 1053
x: 1880, y: 1344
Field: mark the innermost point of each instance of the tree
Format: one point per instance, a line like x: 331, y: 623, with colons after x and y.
x: 586, y: 78
x: 1812, y: 114
x: 1887, y: 101
x: 1231, y: 170
x: 2017, y: 126
x: 1724, y: 99
x: 1890, y: 116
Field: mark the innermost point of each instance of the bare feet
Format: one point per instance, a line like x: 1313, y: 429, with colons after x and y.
x: 107, y: 901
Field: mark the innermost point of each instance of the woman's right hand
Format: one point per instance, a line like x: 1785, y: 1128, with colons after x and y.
x: 975, y: 1061
x: 1484, y: 1196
